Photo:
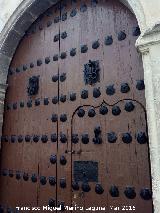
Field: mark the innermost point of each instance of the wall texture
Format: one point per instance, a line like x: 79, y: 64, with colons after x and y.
x: 17, y: 15
x: 150, y: 9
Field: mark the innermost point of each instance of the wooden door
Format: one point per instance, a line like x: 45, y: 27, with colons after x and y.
x: 75, y: 128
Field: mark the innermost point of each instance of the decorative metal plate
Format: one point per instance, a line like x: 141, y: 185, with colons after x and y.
x: 86, y: 171
x: 91, y: 72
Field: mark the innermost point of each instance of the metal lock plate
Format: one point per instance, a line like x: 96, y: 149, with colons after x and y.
x: 85, y: 171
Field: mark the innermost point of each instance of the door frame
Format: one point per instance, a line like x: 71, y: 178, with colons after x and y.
x: 148, y: 44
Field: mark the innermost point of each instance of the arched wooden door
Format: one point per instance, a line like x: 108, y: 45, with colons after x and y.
x: 75, y: 128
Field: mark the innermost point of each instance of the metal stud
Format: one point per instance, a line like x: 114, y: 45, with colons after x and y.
x: 47, y: 60
x: 34, y: 178
x: 96, y: 92
x: 121, y: 36
x: 39, y: 62
x: 13, y: 139
x: 4, y: 138
x: 55, y: 57
x: 91, y: 112
x: 54, y: 118
x: 52, y: 181
x: 63, y: 183
x: 63, y: 77
x: 85, y: 139
x: 1, y: 209
x: 40, y: 27
x: 64, y: 35
x: 51, y: 203
x: 18, y: 175
x: 54, y: 138
x: 108, y: 40
x: 73, y: 12
x: 81, y: 112
x: 97, y: 130
x: 43, y: 180
x: 56, y: 38
x: 63, y: 160
x: 75, y: 138
x: 129, y: 106
x: 110, y: 90
x: 63, y: 117
x: 72, y: 96
x: 24, y: 67
x: 63, y: 138
x: 142, y: 138
x: 116, y: 110
x: 46, y: 101
x: 114, y: 192
x: 136, y: 31
x: 15, y: 106
x: 49, y: 23
x: 83, y: 8
x: 130, y: 192
x: 146, y: 194
x: 84, y: 94
x: 73, y: 52
x: 44, y: 138
x: 8, y: 106
x: 4, y: 172
x: 21, y: 104
x: 20, y: 138
x: 97, y: 140
x: 94, y: 2
x: 55, y: 78
x: 31, y: 65
x: 95, y: 44
x: 84, y: 48
x: 63, y: 55
x: 64, y: 16
x: 10, y: 71
x: 11, y: 173
x: 112, y: 137
x: 35, y: 138
x: 18, y: 70
x: 29, y: 104
x: 55, y: 100
x: 103, y: 110
x: 63, y: 98
x: 27, y: 138
x: 62, y: 205
x: 57, y: 19
x: 25, y: 177
x: 125, y: 88
x: 53, y: 159
x: 37, y: 102
x: 127, y: 138
x: 140, y: 85
x: 75, y: 186
x: 99, y: 189
x: 86, y: 187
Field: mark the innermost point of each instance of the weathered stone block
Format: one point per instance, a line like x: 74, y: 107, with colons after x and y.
x: 10, y: 43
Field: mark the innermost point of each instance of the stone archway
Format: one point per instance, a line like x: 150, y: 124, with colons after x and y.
x: 27, y: 13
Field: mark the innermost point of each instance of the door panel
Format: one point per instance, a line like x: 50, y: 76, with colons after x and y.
x: 82, y: 138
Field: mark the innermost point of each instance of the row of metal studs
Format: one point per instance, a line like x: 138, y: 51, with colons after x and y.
x: 110, y: 90
x: 63, y: 55
x: 111, y: 137
x: 114, y: 192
